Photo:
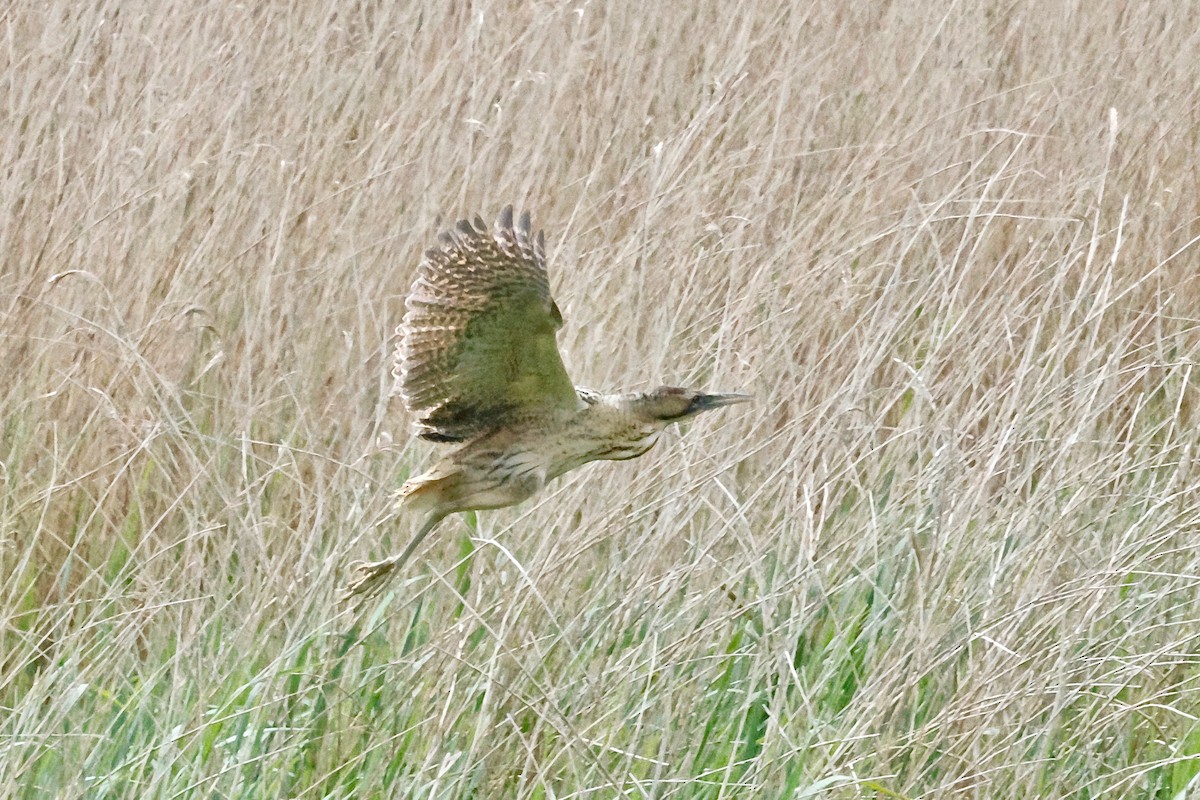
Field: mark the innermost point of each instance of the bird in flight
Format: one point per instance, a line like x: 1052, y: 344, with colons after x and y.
x: 478, y: 366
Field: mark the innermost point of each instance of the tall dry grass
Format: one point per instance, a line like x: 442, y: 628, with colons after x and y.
x: 950, y: 551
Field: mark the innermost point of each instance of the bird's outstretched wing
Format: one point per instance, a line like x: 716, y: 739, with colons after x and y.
x: 476, y: 348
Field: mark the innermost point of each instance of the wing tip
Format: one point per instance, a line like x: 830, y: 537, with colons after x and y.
x: 506, y: 226
x: 504, y: 222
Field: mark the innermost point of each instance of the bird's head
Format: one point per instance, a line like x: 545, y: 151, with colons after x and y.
x: 672, y: 404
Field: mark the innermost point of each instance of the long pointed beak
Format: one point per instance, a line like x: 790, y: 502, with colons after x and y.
x: 705, y: 402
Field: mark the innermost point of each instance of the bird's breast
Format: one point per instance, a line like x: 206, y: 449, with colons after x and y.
x: 624, y: 449
x: 590, y: 442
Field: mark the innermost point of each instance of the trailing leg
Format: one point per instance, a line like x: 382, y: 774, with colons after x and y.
x: 369, y: 575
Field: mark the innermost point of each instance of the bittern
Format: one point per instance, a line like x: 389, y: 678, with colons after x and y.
x: 477, y: 365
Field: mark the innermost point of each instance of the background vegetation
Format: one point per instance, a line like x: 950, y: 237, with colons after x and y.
x: 949, y: 552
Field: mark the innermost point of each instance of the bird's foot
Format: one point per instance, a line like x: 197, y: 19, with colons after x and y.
x: 368, y: 578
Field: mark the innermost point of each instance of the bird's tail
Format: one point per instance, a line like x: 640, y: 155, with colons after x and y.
x: 424, y: 494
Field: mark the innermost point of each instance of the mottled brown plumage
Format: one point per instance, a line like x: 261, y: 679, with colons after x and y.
x: 477, y: 364
x: 477, y: 344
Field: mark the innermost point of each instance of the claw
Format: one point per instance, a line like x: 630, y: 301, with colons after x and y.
x: 369, y: 575
x: 368, y: 579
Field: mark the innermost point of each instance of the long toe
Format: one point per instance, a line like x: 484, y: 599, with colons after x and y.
x: 368, y: 578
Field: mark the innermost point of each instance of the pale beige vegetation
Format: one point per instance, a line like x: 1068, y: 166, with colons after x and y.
x: 951, y: 550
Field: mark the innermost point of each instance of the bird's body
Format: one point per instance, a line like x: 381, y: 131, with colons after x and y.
x: 501, y: 468
x: 478, y: 366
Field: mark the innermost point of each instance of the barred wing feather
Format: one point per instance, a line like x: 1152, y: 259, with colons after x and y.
x: 477, y: 345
